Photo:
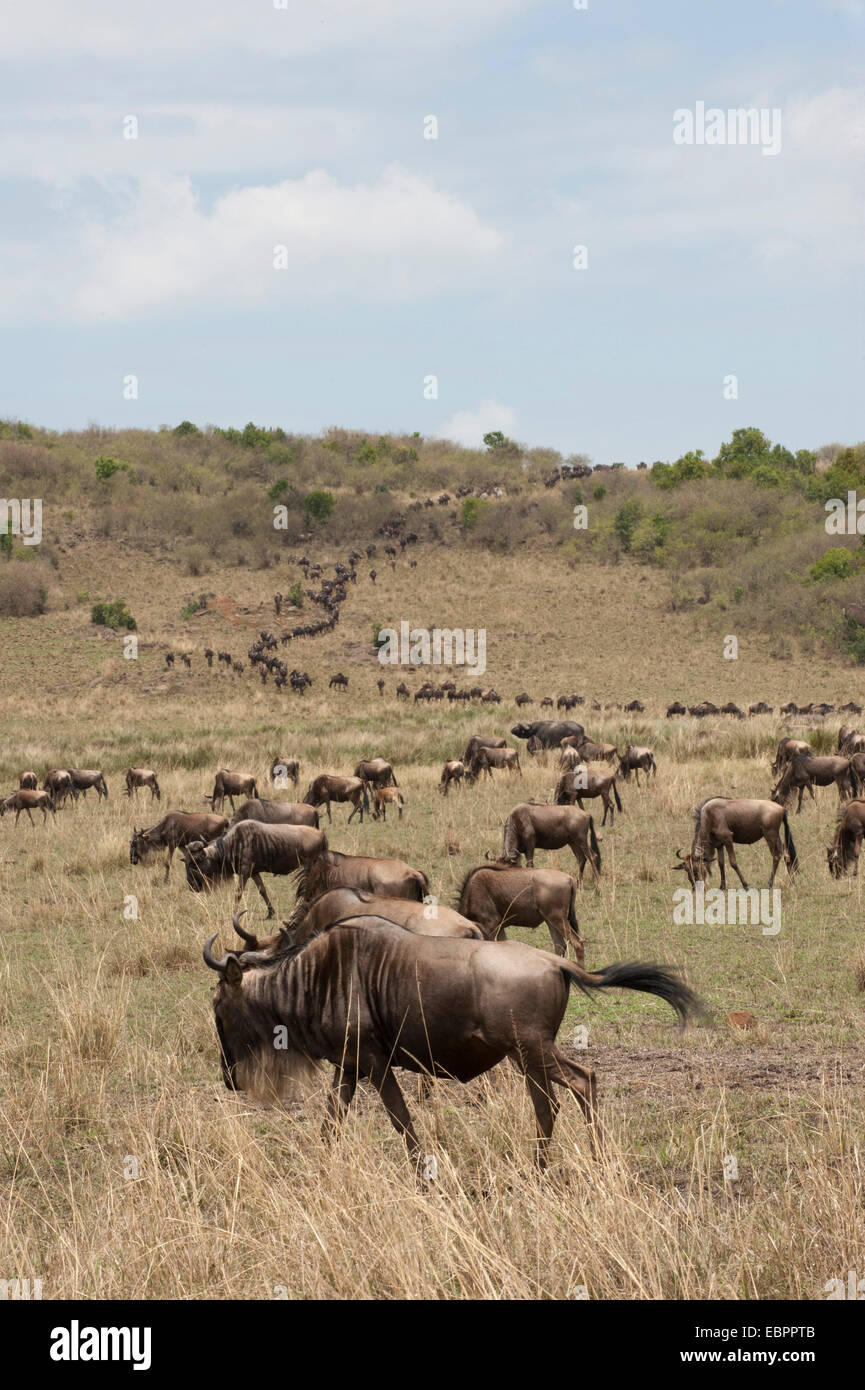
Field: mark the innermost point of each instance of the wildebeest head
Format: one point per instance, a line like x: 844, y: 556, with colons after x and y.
x: 695, y: 864
x: 837, y: 860
x: 204, y: 864
x: 140, y: 847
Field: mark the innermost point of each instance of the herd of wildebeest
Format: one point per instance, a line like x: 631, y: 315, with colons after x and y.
x: 371, y: 973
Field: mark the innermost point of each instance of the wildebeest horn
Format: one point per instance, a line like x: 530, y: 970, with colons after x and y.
x: 680, y: 854
x: 217, y: 965
x: 245, y: 935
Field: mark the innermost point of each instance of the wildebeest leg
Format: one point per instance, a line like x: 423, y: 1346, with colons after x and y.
x: 733, y: 865
x: 558, y: 938
x: 256, y: 878
x: 801, y: 794
x: 773, y: 840
x: 340, y: 1097
x: 358, y: 806
x: 529, y: 851
x: 394, y: 1103
x: 721, y: 867
x: 170, y: 849
x: 582, y: 1083
x: 546, y: 1107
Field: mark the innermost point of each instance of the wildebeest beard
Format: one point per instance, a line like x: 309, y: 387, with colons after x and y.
x: 263, y: 1063
x: 207, y: 866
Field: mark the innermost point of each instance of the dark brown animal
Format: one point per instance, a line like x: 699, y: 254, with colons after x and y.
x: 285, y: 770
x: 485, y: 759
x: 786, y: 750
x: 573, y: 786
x: 26, y: 799
x: 376, y: 772
x: 428, y: 919
x: 847, y: 842
x: 480, y: 741
x: 250, y: 849
x: 637, y: 759
x: 530, y: 827
x: 326, y: 788
x: 58, y: 783
x: 138, y: 777
x: 84, y: 779
x: 805, y: 771
x: 231, y: 784
x: 28, y: 781
x: 721, y: 822
x: 368, y: 996
x: 276, y: 812
x: 389, y: 878
x: 592, y: 752
x: 453, y: 771
x: 500, y: 895
x: 177, y: 828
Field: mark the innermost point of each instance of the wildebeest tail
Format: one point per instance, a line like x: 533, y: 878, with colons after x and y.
x: 572, y: 913
x: 661, y: 980
x: 596, y: 849
x: 365, y: 797
x: 789, y: 847
x: 394, y: 782
x: 616, y: 795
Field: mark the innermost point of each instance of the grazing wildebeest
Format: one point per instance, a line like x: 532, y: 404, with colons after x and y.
x: 675, y: 708
x: 142, y: 777
x: 573, y: 786
x: 231, y: 784
x: 760, y: 708
x: 383, y: 797
x: 326, y: 788
x: 480, y: 741
x: 368, y: 996
x: 432, y: 919
x: 83, y: 779
x: 592, y: 752
x: 58, y: 783
x: 804, y: 770
x: 636, y: 759
x: 731, y: 708
x: 26, y: 799
x: 523, y: 699
x: 28, y: 781
x: 787, y: 749
x: 177, y: 828
x: 390, y: 878
x: 376, y: 772
x: 250, y: 849
x: 635, y: 707
x: 549, y: 732
x: 283, y: 770
x: 339, y: 680
x: 276, y: 812
x: 485, y: 759
x: 850, y: 740
x: 848, y: 840
x: 530, y: 827
x: 500, y: 895
x: 722, y: 821
x: 453, y: 771
x: 403, y: 692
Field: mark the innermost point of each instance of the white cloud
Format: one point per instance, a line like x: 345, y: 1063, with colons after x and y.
x: 399, y: 238
x: 468, y: 427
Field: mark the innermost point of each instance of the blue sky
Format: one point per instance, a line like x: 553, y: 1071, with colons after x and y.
x: 304, y: 127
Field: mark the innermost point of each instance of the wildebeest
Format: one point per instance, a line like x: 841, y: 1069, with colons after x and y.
x: 383, y: 797
x: 29, y: 800
x: 339, y: 680
x: 850, y: 740
x: 847, y: 843
x: 480, y: 741
x: 804, y: 770
x: 249, y: 849
x: 523, y: 699
x: 377, y: 772
x: 549, y: 732
x: 83, y: 779
x: 500, y: 895
x: 138, y: 777
x: 276, y: 812
x: 573, y: 786
x: 326, y: 788
x: 231, y: 784
x: 59, y: 785
x: 787, y: 749
x: 760, y: 708
x: 28, y: 781
x: 427, y: 919
x: 721, y: 822
x: 453, y: 771
x: 675, y: 708
x: 283, y: 770
x: 390, y: 878
x: 485, y: 759
x: 368, y: 996
x: 592, y: 752
x: 530, y: 827
x: 637, y: 759
x: 177, y: 828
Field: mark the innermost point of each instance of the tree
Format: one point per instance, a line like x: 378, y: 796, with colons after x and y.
x: 319, y: 505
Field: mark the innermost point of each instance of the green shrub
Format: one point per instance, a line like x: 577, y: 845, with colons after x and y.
x: 114, y: 614
x: 472, y: 509
x: 836, y: 563
x: 626, y: 519
x: 186, y: 427
x: 599, y: 492
x: 107, y: 467
x: 197, y: 605
x: 295, y: 594
x: 319, y: 505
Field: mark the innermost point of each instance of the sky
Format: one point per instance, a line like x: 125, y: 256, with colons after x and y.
x: 240, y: 208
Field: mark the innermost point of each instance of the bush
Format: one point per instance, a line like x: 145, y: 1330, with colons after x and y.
x: 473, y: 508
x: 835, y: 563
x: 319, y: 505
x: 626, y: 519
x: 186, y: 427
x: 107, y: 467
x: 22, y: 593
x: 295, y: 594
x: 197, y: 605
x: 114, y: 615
